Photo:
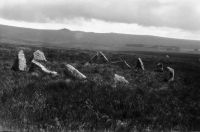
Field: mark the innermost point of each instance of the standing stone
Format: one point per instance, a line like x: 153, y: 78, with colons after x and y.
x: 20, y: 62
x: 74, y: 72
x: 171, y: 71
x: 39, y: 56
x: 140, y: 64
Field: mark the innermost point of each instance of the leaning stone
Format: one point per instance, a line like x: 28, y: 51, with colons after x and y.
x: 99, y: 58
x: 140, y: 64
x: 122, y: 63
x: 42, y: 68
x: 74, y: 72
x: 171, y: 71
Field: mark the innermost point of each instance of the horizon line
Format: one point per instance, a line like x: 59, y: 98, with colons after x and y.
x: 64, y: 28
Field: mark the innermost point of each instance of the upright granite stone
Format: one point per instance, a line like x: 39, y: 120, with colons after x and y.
x: 20, y: 62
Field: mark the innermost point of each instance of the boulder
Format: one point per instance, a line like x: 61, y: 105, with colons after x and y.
x: 68, y: 80
x: 74, y: 72
x: 35, y: 74
x: 20, y: 62
x: 140, y: 64
x: 39, y: 56
x: 86, y: 64
x: 122, y: 126
x: 119, y: 79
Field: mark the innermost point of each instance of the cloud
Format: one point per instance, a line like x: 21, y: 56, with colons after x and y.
x: 178, y: 14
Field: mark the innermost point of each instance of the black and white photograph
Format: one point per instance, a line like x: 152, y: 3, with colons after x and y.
x: 99, y: 65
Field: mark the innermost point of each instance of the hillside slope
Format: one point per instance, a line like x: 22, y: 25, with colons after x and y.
x: 88, y: 40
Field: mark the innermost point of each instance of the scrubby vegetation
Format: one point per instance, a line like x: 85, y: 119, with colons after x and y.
x: 53, y: 104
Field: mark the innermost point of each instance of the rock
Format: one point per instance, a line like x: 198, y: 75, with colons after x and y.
x: 171, y: 71
x: 35, y: 74
x: 99, y: 58
x: 68, y: 80
x: 163, y: 87
x: 20, y: 62
x: 119, y: 79
x: 39, y: 56
x: 140, y: 64
x: 121, y: 126
x: 74, y: 72
x: 38, y: 65
x: 86, y: 64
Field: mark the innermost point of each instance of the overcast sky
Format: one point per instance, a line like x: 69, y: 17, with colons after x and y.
x: 168, y: 18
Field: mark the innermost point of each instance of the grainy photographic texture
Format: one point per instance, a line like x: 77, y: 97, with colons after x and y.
x: 99, y: 65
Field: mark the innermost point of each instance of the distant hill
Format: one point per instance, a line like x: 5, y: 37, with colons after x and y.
x: 89, y: 40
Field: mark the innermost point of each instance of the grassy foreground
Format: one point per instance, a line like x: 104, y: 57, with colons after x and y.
x: 148, y: 102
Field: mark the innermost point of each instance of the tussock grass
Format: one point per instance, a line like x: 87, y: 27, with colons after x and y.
x: 52, y: 104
